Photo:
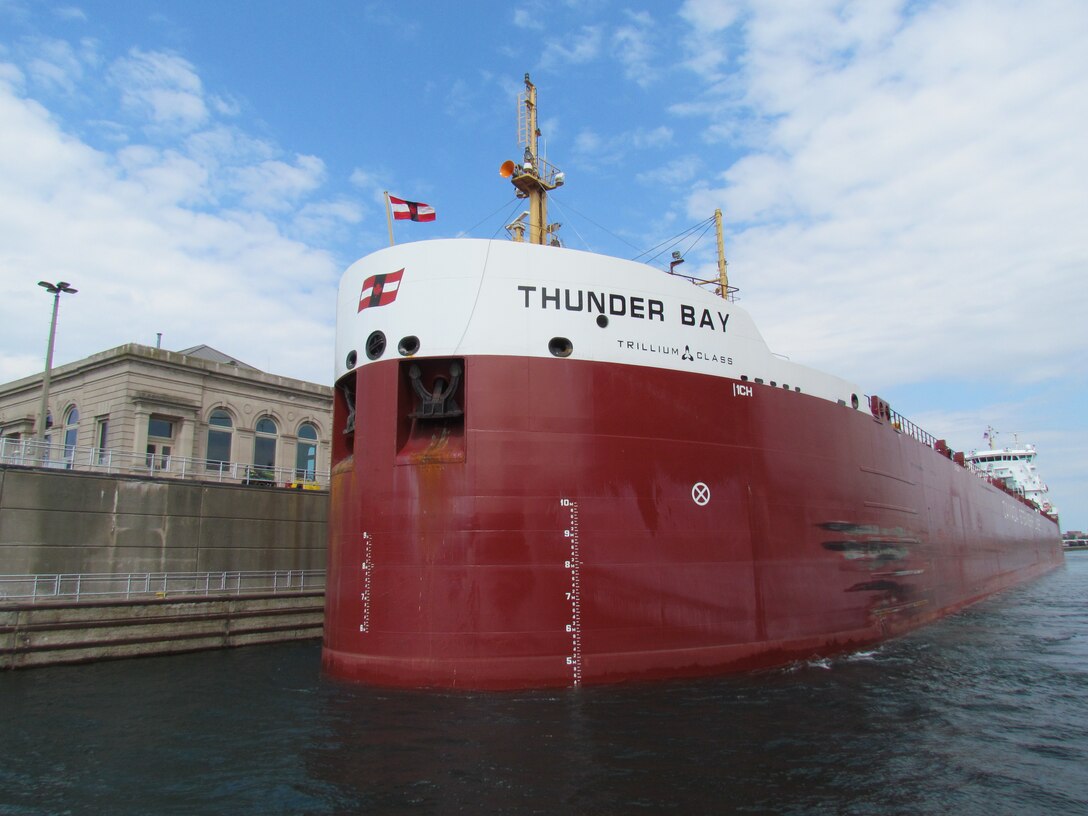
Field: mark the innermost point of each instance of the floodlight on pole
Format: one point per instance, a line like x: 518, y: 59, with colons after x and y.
x: 55, y: 289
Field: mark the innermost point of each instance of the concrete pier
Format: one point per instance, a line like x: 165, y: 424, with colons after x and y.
x: 63, y: 522
x: 53, y: 633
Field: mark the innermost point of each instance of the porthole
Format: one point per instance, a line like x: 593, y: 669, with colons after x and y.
x: 602, y: 321
x: 759, y: 380
x: 351, y: 360
x: 408, y: 345
x: 744, y: 378
x: 774, y: 384
x: 854, y: 401
x: 375, y: 345
x: 560, y: 346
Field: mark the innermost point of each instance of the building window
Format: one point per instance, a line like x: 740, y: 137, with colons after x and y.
x: 71, y: 434
x: 160, y: 427
x: 220, y: 431
x: 101, y: 436
x: 160, y: 442
x: 264, y: 444
x: 306, y: 457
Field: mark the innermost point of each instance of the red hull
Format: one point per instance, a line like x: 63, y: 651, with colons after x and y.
x: 551, y: 535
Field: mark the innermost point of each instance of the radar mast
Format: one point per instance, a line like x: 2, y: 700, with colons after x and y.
x: 535, y: 177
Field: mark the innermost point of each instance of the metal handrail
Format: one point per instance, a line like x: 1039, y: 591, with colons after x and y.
x: 901, y: 423
x: 36, y: 453
x: 128, y: 585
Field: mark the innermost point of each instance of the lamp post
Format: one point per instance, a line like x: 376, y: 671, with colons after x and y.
x: 54, y: 289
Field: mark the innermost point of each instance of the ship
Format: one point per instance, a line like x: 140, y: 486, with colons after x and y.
x: 553, y: 468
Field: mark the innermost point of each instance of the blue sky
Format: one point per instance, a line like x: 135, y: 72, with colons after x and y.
x: 905, y: 184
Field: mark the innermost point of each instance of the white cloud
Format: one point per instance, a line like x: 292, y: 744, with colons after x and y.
x: 318, y: 220
x: 573, y: 49
x: 706, y: 47
x: 163, y: 86
x: 135, y: 233
x: 678, y: 171
x: 710, y: 16
x: 592, y: 148
x: 919, y: 192
x: 362, y: 178
x: 631, y: 43
x: 166, y: 177
x: 458, y: 102
x: 55, y: 65
x: 70, y: 13
x: 276, y: 185
x: 652, y: 137
x: 529, y: 18
x: 587, y: 142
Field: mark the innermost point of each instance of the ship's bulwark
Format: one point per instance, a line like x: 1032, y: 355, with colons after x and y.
x: 584, y: 522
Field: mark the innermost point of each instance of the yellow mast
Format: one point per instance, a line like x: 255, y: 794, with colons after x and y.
x: 535, y: 176
x: 723, y: 276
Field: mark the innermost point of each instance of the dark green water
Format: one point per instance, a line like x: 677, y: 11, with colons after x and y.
x: 983, y: 713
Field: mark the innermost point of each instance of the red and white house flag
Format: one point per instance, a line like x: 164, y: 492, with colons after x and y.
x: 410, y: 210
x: 380, y: 290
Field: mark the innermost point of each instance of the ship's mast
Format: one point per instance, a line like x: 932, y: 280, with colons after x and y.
x: 534, y: 177
x: 723, y: 276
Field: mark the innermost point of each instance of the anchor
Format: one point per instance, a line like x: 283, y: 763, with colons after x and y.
x: 439, y: 402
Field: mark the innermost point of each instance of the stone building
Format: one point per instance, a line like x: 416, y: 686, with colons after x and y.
x: 196, y: 413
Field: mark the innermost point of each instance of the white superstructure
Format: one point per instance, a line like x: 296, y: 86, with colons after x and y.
x: 1015, y: 466
x: 465, y: 297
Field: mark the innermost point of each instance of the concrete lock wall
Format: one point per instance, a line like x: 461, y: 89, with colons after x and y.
x: 65, y: 522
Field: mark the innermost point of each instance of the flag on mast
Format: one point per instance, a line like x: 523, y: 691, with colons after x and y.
x: 410, y: 210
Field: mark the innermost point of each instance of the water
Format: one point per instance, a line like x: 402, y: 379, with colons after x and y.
x: 983, y: 713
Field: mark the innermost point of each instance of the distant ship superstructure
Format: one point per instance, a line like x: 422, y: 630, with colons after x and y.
x: 1015, y: 467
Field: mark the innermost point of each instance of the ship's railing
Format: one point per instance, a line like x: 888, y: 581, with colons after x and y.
x: 547, y: 173
x: 882, y: 411
x: 136, y: 585
x: 36, y: 453
x: 906, y: 426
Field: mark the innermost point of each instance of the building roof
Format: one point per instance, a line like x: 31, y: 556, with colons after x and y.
x: 205, y: 352
x: 202, y: 357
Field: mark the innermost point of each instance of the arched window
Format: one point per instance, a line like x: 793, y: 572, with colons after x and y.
x: 220, y: 431
x: 264, y: 443
x: 306, y: 457
x: 71, y: 434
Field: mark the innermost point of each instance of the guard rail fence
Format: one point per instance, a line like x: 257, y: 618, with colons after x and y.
x: 135, y: 585
x: 35, y: 453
